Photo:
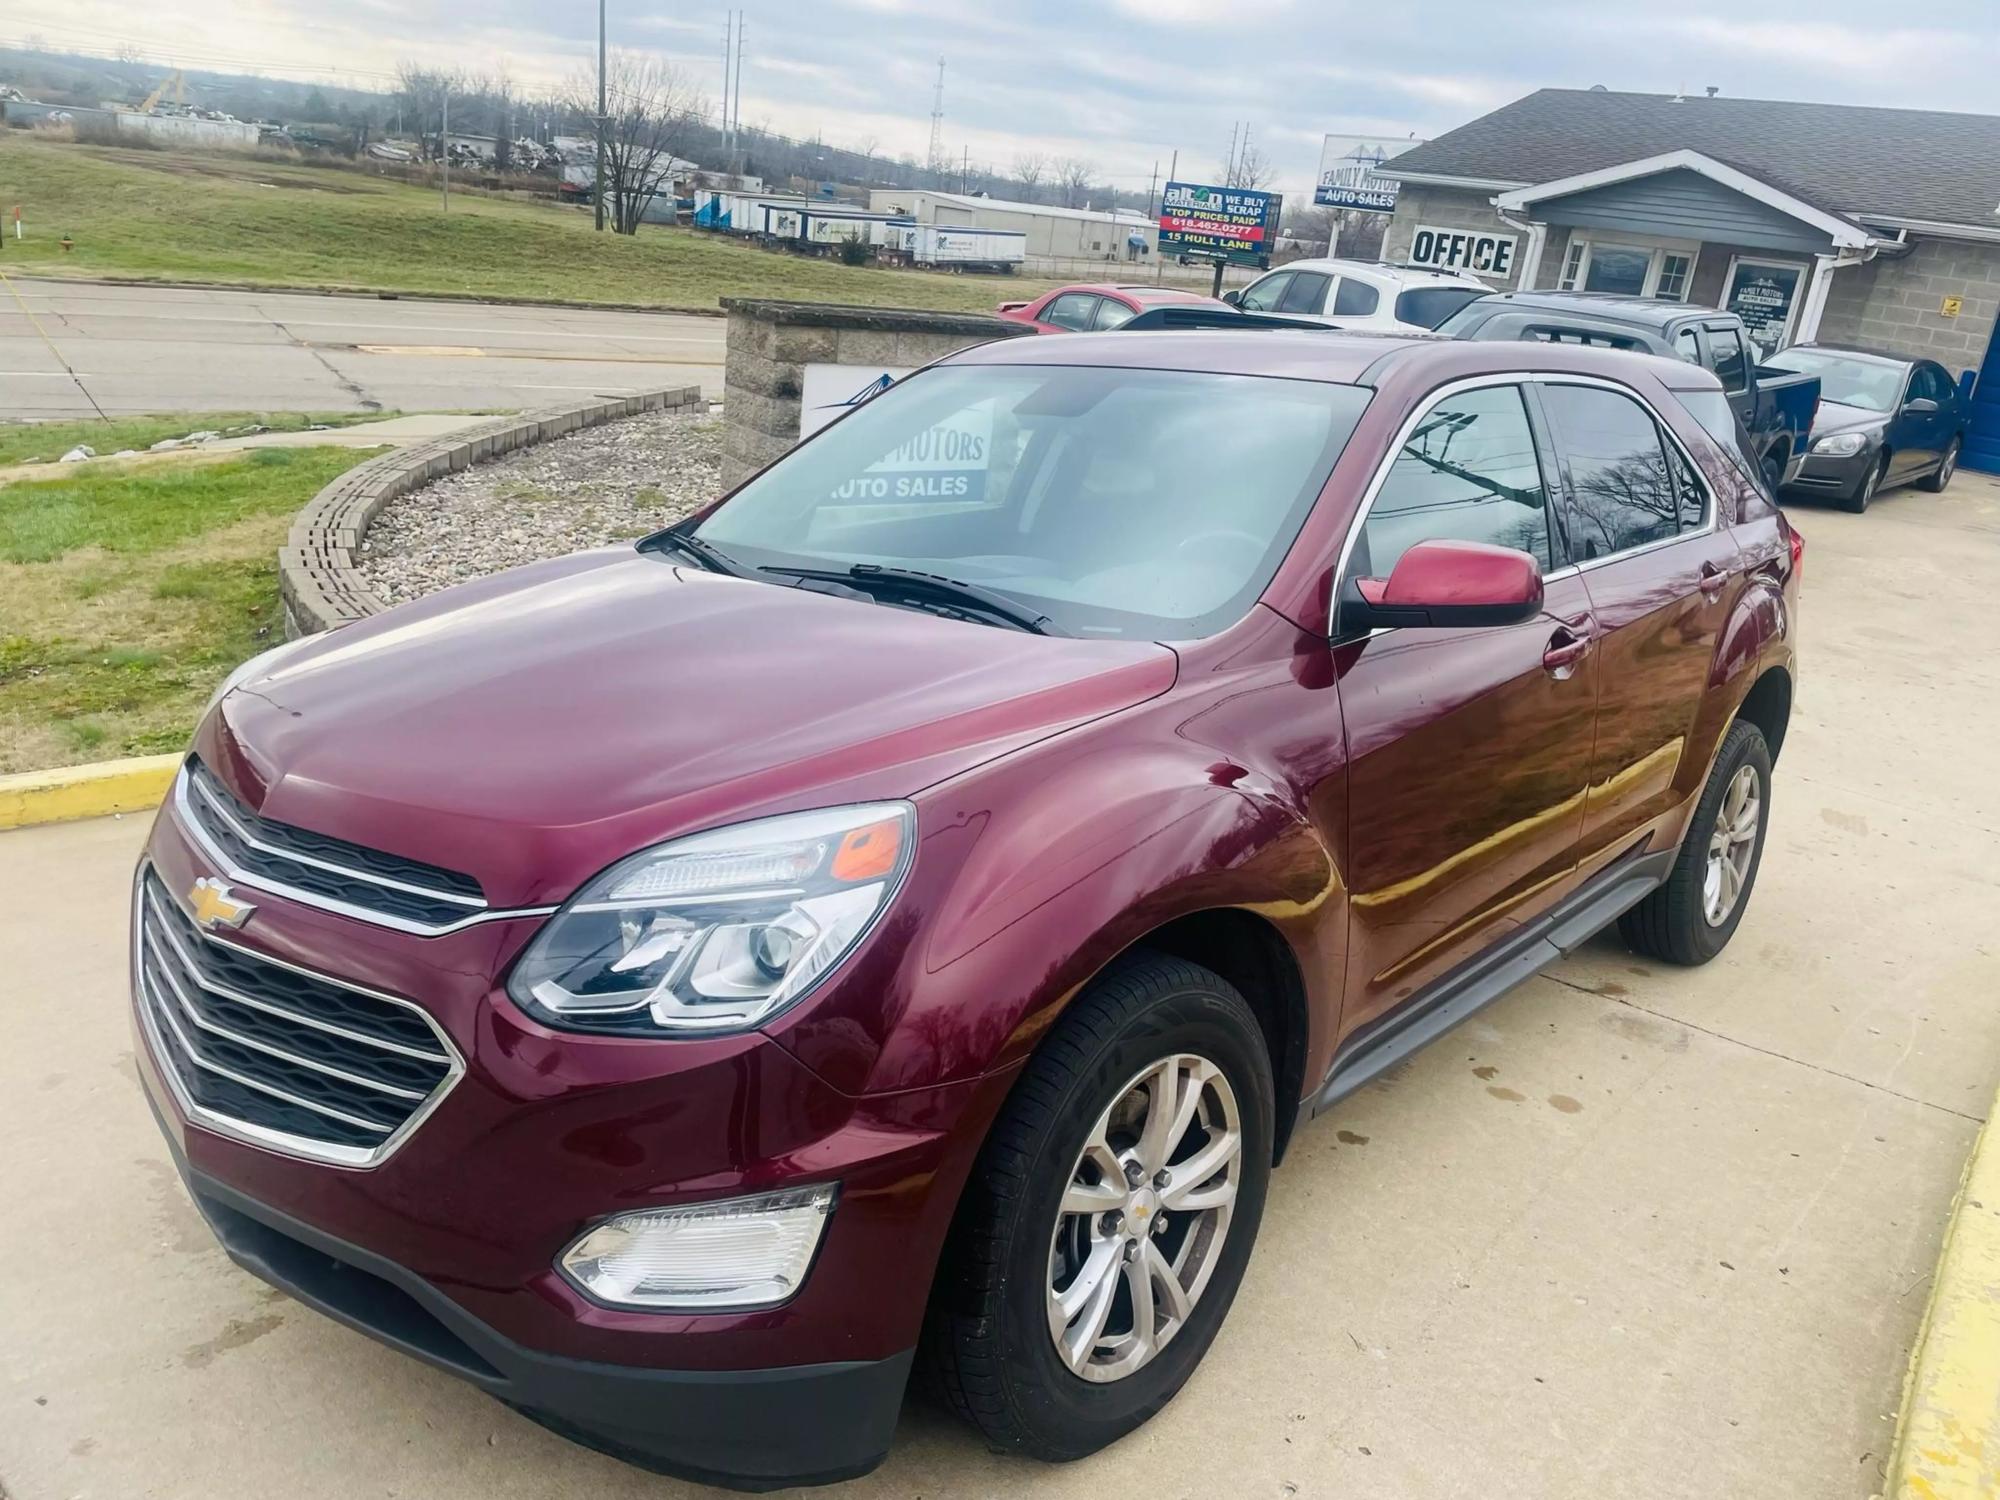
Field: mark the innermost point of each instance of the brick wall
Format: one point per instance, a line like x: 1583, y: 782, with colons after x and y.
x: 1893, y: 304
x: 770, y: 343
x: 1449, y: 208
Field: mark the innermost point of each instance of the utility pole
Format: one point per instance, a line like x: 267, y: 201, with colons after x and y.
x: 1159, y: 210
x: 736, y: 123
x: 444, y: 149
x: 602, y: 117
x: 728, y: 47
x: 1229, y: 167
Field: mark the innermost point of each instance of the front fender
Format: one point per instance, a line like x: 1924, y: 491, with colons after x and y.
x: 1006, y: 915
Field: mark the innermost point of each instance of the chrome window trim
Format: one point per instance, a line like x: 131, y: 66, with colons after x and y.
x: 1521, y: 378
x: 352, y: 872
x: 190, y: 825
x: 325, y: 1153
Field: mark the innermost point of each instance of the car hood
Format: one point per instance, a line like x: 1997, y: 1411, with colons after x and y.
x: 1832, y: 417
x: 529, y: 728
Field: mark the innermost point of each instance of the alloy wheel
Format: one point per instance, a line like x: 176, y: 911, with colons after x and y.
x: 1950, y: 464
x: 1731, y: 846
x: 1143, y: 1218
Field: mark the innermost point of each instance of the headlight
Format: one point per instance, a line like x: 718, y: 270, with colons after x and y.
x: 1841, y: 444
x: 742, y: 1252
x: 719, y: 931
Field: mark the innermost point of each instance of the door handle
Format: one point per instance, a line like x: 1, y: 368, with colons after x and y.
x: 1569, y: 645
x: 1712, y: 579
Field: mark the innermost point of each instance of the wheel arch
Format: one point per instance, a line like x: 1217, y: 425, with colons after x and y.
x: 1768, y: 705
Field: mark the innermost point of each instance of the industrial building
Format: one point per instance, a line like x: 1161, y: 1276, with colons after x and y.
x: 1088, y: 233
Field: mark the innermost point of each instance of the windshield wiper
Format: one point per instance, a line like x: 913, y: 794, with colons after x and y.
x: 688, y: 544
x: 912, y: 583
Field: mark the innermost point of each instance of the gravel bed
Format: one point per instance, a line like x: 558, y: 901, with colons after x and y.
x: 598, y: 486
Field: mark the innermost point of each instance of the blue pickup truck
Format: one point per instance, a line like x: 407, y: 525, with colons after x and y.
x: 1776, y: 407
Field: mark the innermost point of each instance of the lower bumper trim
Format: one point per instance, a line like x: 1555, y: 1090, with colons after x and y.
x: 743, y: 1429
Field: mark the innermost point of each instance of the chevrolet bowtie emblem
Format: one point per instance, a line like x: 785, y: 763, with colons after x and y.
x: 214, y: 907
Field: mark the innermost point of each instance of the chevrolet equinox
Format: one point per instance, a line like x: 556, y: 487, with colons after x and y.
x: 897, y: 916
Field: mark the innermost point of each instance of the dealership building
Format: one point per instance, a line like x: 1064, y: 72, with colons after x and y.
x: 1812, y: 221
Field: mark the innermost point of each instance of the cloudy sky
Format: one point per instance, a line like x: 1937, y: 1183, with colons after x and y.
x: 1121, y: 83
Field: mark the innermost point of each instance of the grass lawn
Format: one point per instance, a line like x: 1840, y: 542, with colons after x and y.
x: 216, y: 217
x: 23, y: 442
x: 125, y: 597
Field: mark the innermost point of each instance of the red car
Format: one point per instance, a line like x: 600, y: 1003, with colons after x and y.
x: 906, y: 910
x: 1094, y: 308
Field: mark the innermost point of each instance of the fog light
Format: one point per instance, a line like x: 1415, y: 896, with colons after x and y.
x: 741, y: 1252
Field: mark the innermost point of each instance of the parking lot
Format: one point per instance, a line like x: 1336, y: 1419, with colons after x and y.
x: 1634, y: 1231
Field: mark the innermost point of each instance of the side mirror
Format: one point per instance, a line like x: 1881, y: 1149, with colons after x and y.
x: 1922, y: 406
x: 1233, y: 297
x: 1446, y: 585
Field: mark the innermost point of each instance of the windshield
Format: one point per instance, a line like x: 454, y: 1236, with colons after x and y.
x: 1147, y: 504
x: 1428, y: 306
x: 1869, y: 384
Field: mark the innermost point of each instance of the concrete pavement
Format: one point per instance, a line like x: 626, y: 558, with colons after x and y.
x: 1634, y: 1232
x: 147, y: 349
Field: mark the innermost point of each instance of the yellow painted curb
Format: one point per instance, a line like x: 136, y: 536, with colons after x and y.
x: 1948, y: 1436
x: 112, y: 786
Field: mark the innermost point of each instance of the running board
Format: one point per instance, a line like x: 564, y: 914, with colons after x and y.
x: 1481, y: 980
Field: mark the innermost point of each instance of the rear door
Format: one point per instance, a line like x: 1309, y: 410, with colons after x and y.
x: 1468, y: 750
x: 1072, y: 312
x: 1661, y: 574
x: 1729, y: 357
x: 1306, y: 296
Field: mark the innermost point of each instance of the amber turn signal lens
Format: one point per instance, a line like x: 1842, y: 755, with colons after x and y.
x: 868, y: 853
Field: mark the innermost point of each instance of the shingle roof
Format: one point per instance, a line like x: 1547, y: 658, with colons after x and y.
x: 1846, y: 158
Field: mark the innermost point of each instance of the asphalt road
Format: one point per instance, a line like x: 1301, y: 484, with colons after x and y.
x: 1634, y: 1231
x: 147, y: 349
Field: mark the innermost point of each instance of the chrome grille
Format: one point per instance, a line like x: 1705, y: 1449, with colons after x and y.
x: 319, y: 870
x: 275, y: 1054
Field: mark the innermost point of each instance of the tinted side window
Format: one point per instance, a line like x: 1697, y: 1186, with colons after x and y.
x: 1931, y: 381
x: 1732, y: 365
x: 1071, y: 310
x: 1688, y: 489
x: 1621, y: 492
x: 1467, y: 472
x: 1307, y: 293
x: 1355, y: 299
x: 1262, y: 296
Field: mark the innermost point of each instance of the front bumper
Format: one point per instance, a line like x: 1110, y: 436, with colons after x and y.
x: 1827, y: 475
x: 746, y: 1429
x: 446, y: 1247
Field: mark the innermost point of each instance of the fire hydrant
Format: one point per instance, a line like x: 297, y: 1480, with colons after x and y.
x: 68, y: 244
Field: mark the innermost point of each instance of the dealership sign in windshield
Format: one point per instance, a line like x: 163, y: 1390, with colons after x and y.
x: 1238, y: 225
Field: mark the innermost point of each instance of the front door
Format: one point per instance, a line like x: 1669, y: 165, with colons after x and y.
x: 1765, y: 295
x: 1661, y: 575
x: 1468, y: 750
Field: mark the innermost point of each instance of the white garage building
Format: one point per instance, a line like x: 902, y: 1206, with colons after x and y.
x: 1086, y: 233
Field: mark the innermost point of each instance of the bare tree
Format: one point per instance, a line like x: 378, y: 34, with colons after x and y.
x: 1251, y: 169
x: 1071, y: 175
x: 425, y: 93
x: 1030, y: 167
x: 654, y: 113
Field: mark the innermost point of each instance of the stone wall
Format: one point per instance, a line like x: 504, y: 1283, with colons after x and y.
x: 1893, y: 304
x: 770, y: 343
x: 317, y: 579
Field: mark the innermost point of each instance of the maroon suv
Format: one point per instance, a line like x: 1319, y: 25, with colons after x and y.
x: 908, y: 907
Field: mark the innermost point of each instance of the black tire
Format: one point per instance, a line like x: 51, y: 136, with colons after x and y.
x: 1870, y: 483
x: 1671, y: 924
x: 1937, y: 479
x: 987, y: 1343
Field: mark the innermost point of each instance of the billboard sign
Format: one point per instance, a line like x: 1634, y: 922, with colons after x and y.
x: 1348, y: 177
x: 1463, y: 250
x: 1236, y: 225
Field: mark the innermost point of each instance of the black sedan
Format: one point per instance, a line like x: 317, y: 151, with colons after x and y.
x: 1883, y: 420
